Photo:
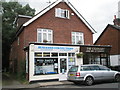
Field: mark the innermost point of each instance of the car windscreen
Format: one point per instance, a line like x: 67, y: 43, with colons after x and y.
x: 73, y: 69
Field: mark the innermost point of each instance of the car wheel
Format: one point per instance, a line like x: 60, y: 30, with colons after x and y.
x: 89, y: 81
x: 117, y: 78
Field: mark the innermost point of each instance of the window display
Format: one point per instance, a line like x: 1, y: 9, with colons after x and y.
x: 46, y: 66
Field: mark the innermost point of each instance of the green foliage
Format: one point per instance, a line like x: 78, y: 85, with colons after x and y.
x: 10, y: 10
x: 21, y: 73
x: 79, y: 55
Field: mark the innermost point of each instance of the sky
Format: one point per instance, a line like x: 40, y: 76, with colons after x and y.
x: 99, y: 13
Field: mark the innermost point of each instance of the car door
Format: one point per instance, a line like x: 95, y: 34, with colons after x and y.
x: 106, y: 73
x: 96, y: 72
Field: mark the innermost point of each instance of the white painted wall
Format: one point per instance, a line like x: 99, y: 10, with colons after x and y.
x: 114, y: 60
x: 79, y: 61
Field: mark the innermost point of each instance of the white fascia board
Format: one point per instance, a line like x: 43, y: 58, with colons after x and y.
x: 41, y: 13
x: 81, y: 17
x: 25, y: 16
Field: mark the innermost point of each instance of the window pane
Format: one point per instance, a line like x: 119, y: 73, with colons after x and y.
x: 44, y: 36
x: 54, y: 54
x: 45, y: 66
x: 46, y: 54
x: 38, y: 54
x: 77, y: 39
x: 39, y: 37
x: 73, y: 39
x: 63, y: 54
x: 85, y: 68
x: 49, y: 38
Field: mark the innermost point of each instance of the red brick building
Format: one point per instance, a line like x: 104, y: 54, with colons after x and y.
x: 111, y: 36
x: 50, y: 41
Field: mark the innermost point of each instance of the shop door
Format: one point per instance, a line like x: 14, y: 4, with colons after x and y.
x: 62, y: 68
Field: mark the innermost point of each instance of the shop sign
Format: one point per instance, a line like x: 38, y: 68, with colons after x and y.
x: 94, y: 49
x: 54, y: 48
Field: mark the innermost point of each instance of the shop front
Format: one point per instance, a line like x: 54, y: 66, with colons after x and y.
x: 50, y: 61
x: 96, y: 54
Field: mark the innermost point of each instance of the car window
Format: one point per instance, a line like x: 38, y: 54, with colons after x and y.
x: 85, y: 68
x: 103, y: 68
x: 73, y: 69
x: 94, y: 68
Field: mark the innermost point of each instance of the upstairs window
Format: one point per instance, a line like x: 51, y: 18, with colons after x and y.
x: 62, y: 13
x: 77, y: 38
x: 44, y: 36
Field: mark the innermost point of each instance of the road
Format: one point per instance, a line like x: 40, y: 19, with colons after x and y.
x: 97, y: 85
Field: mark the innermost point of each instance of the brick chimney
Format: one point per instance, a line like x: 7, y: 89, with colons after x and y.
x: 116, y: 21
x: 21, y: 19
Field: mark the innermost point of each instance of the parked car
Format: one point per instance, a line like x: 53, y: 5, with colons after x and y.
x: 91, y: 73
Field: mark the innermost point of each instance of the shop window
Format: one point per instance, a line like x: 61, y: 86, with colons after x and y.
x: 62, y: 54
x: 71, y: 61
x: 77, y: 38
x: 38, y: 54
x: 71, y: 54
x: 62, y: 13
x: 46, y: 54
x: 46, y: 66
x: 54, y: 54
x: 44, y: 36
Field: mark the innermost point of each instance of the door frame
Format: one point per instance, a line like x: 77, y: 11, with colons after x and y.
x: 60, y: 57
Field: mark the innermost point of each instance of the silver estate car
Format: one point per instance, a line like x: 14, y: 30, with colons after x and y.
x: 91, y: 73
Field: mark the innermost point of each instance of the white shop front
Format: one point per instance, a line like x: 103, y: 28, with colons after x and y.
x: 50, y: 61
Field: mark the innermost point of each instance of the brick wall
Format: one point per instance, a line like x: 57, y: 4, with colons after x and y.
x: 62, y: 29
x: 110, y: 37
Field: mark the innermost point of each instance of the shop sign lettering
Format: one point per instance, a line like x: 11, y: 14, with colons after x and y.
x: 94, y: 49
x: 50, y: 48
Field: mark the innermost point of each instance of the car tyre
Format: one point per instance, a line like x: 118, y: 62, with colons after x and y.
x: 89, y: 81
x: 117, y: 78
x: 77, y: 83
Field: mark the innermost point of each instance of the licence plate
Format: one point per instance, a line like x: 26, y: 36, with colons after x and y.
x: 71, y: 74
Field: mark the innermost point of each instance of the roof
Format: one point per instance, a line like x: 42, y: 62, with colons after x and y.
x: 109, y: 25
x: 54, y: 4
x: 115, y: 26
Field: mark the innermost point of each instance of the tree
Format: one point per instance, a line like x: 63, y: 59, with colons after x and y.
x: 10, y: 10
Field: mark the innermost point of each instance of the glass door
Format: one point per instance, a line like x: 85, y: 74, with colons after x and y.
x: 62, y: 68
x: 63, y: 65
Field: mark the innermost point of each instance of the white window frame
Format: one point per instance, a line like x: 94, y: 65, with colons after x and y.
x: 79, y: 34
x: 47, y: 32
x: 18, y: 41
x: 62, y: 13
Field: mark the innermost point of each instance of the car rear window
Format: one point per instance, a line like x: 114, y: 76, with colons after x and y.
x: 73, y: 69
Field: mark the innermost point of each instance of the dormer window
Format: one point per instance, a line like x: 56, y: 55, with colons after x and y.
x: 62, y: 13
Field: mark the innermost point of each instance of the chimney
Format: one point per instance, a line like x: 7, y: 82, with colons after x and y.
x: 21, y: 19
x: 116, y: 21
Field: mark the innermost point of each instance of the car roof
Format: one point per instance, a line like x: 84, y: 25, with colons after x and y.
x: 90, y: 65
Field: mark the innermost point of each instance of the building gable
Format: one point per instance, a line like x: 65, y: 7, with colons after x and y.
x: 52, y: 6
x: 110, y: 36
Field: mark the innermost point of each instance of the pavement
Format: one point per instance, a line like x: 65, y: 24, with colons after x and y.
x: 37, y: 84
x: 9, y: 83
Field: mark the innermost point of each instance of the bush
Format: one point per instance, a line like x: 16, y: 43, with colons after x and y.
x: 21, y: 73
